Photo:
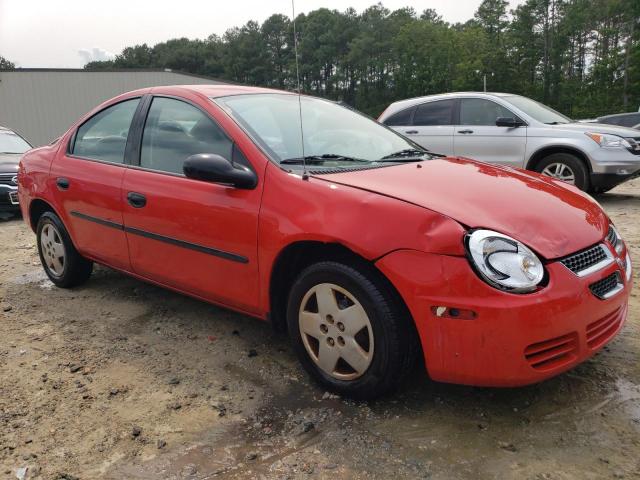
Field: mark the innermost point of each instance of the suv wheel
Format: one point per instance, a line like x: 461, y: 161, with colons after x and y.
x: 62, y: 263
x: 349, y: 331
x: 565, y: 167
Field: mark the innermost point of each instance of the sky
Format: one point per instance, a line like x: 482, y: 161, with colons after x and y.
x: 57, y: 34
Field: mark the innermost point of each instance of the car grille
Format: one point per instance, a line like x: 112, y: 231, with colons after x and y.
x: 607, y: 287
x: 600, y: 331
x: 612, y: 237
x: 588, y: 260
x: 6, y: 178
x: 552, y: 353
x: 635, y: 145
x: 4, y: 199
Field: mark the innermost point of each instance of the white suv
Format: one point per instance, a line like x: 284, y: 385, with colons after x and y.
x: 519, y: 132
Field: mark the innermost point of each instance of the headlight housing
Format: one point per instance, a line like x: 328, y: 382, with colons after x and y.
x: 615, y: 239
x: 504, y: 262
x: 606, y: 140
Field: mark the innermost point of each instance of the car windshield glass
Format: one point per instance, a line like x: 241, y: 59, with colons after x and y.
x: 333, y: 135
x: 11, y: 142
x: 537, y: 110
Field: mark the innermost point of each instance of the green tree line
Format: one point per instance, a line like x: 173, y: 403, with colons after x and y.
x: 579, y: 56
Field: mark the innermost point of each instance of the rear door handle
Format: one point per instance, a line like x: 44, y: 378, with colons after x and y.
x: 411, y: 132
x: 62, y: 183
x: 136, y: 200
x: 465, y: 132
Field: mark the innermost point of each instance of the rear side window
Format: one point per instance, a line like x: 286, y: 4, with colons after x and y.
x: 174, y: 131
x: 477, y: 111
x: 403, y: 117
x: 434, y: 113
x: 104, y: 136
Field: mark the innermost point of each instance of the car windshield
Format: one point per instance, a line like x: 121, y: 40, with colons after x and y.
x: 537, y: 110
x: 333, y: 135
x: 11, y: 142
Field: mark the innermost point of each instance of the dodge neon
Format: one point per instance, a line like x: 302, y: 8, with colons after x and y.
x: 369, y: 250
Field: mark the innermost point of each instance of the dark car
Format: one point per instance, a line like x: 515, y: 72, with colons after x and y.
x: 631, y: 120
x: 12, y: 146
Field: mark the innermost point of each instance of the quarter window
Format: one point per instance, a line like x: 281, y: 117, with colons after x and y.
x: 477, y: 111
x: 434, y: 113
x: 104, y: 136
x: 174, y: 131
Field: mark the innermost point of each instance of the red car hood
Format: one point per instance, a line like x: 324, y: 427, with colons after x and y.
x: 553, y: 219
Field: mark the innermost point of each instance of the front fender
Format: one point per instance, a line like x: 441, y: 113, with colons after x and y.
x: 371, y: 225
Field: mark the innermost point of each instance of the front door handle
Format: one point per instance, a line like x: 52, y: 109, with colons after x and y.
x: 136, y: 200
x: 62, y: 183
x: 465, y: 132
x: 411, y: 132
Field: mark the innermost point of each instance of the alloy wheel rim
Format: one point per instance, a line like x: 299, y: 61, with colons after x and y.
x: 53, y: 252
x: 561, y: 171
x: 336, y: 331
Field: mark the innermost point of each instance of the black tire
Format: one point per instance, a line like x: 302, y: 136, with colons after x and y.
x: 75, y: 268
x: 577, y: 166
x: 395, y: 338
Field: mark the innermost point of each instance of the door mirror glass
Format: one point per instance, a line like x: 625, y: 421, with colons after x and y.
x: 211, y: 167
x: 508, y: 122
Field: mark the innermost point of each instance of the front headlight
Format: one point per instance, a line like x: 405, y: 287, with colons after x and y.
x: 606, y: 140
x: 615, y: 239
x: 504, y: 262
x: 628, y: 267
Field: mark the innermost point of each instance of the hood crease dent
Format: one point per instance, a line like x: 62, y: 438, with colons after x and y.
x: 552, y: 218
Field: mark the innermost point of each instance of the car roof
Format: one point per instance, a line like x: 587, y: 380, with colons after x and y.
x: 409, y: 102
x: 619, y: 115
x: 221, y: 90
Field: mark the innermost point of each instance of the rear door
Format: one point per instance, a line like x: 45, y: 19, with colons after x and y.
x: 432, y: 126
x: 196, y: 236
x: 88, y: 178
x: 477, y: 136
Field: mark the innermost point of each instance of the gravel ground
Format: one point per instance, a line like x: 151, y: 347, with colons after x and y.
x: 119, y: 379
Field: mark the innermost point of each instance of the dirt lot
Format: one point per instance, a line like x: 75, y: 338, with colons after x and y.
x: 122, y: 380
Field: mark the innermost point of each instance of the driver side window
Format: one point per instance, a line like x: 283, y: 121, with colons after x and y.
x: 478, y: 111
x: 174, y: 131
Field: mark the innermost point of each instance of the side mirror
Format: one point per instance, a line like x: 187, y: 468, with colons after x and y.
x: 214, y: 168
x: 509, y: 122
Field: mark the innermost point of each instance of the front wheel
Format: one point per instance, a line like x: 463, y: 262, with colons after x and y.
x: 565, y: 167
x: 349, y: 330
x: 62, y: 263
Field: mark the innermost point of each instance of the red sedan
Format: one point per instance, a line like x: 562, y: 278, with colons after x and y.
x: 369, y: 250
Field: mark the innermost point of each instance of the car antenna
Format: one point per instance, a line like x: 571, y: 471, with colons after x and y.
x: 305, y: 176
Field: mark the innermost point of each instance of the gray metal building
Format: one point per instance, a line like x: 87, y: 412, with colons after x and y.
x: 41, y: 104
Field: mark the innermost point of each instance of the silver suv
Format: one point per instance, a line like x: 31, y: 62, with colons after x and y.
x: 519, y: 132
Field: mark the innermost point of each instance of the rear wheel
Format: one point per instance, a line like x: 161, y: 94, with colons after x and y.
x: 349, y: 331
x: 565, y: 167
x: 62, y: 263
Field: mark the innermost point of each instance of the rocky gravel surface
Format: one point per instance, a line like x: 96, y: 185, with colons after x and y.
x: 119, y: 379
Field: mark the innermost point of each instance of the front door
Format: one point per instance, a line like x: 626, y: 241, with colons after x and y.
x: 88, y: 180
x: 196, y: 236
x: 478, y: 137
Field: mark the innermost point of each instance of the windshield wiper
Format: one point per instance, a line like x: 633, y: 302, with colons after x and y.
x: 556, y: 123
x: 407, y: 155
x: 315, y: 159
